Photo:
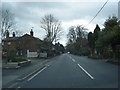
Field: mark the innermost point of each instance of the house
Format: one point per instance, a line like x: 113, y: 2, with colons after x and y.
x: 22, y: 45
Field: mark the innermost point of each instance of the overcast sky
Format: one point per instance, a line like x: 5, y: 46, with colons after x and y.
x: 29, y: 14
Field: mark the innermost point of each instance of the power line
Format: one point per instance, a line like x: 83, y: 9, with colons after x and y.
x: 97, y: 13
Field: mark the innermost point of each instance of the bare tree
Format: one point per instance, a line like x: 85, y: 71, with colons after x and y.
x: 7, y: 21
x: 76, y: 32
x: 52, y: 26
x: 18, y: 32
x: 81, y: 31
x: 72, y: 35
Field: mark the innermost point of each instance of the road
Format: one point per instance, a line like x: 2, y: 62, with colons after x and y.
x: 70, y: 71
x: 9, y: 76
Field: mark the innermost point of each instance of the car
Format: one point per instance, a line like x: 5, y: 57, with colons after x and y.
x: 68, y: 52
x: 4, y: 54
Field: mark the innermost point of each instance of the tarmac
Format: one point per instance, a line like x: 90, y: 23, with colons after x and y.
x: 12, y: 72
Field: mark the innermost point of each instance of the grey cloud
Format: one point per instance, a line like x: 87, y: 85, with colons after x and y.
x: 64, y: 11
x: 28, y: 14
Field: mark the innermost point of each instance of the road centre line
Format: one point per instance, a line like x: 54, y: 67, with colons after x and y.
x: 82, y: 68
x: 18, y: 87
x: 36, y: 74
x: 86, y: 71
x: 70, y: 57
x: 73, y: 60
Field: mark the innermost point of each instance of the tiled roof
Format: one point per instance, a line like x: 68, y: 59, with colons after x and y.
x: 11, y: 39
x: 31, y: 36
x: 16, y: 38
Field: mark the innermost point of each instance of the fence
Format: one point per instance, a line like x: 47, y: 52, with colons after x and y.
x: 32, y: 54
x: 43, y: 55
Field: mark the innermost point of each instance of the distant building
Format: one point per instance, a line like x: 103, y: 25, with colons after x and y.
x: 22, y: 44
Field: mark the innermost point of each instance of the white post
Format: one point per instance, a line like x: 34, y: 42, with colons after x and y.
x: 27, y: 53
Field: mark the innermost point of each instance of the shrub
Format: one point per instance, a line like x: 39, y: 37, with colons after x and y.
x: 108, y: 54
x: 19, y: 59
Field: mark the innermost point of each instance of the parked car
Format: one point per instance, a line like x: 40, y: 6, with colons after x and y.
x: 4, y: 54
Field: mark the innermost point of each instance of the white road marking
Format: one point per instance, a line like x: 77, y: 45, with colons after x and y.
x: 29, y: 75
x: 82, y: 68
x: 36, y: 74
x: 73, y: 60
x: 18, y: 87
x: 48, y: 65
x: 13, y: 85
x: 86, y: 71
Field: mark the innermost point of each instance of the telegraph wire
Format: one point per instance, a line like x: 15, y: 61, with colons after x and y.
x: 97, y: 13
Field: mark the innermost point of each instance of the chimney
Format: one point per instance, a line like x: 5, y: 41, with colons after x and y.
x: 31, y: 32
x: 13, y: 34
x: 7, y: 34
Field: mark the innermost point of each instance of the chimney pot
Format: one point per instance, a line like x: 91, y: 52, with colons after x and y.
x: 7, y: 34
x: 31, y: 32
x: 13, y: 34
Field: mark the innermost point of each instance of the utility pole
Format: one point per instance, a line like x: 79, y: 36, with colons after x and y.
x: 119, y: 10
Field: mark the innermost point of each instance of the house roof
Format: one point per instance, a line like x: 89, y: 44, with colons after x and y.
x: 11, y: 39
x: 16, y: 38
x: 31, y: 36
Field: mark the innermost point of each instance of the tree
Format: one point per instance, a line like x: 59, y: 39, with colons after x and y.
x: 91, y: 42
x: 72, y: 35
x: 59, y: 48
x: 109, y: 37
x: 81, y: 32
x: 18, y: 32
x: 76, y: 32
x: 96, y: 32
x: 77, y: 40
x: 7, y: 21
x: 110, y: 23
x: 112, y: 28
x: 92, y: 39
x: 52, y: 26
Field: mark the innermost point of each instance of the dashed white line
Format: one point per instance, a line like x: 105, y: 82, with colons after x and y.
x: 70, y: 57
x: 36, y: 74
x: 86, y: 71
x: 73, y: 60
x: 82, y: 68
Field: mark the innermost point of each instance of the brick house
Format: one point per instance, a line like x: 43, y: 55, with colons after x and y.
x: 20, y: 45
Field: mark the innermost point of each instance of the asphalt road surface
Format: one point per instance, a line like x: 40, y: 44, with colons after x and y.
x: 70, y: 71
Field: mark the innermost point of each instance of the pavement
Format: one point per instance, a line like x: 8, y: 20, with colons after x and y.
x: 11, y: 75
x: 71, y: 71
x: 13, y: 65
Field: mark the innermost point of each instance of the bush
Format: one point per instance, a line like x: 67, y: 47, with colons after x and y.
x: 19, y: 59
x: 108, y: 54
x: 95, y: 57
x: 114, y: 61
